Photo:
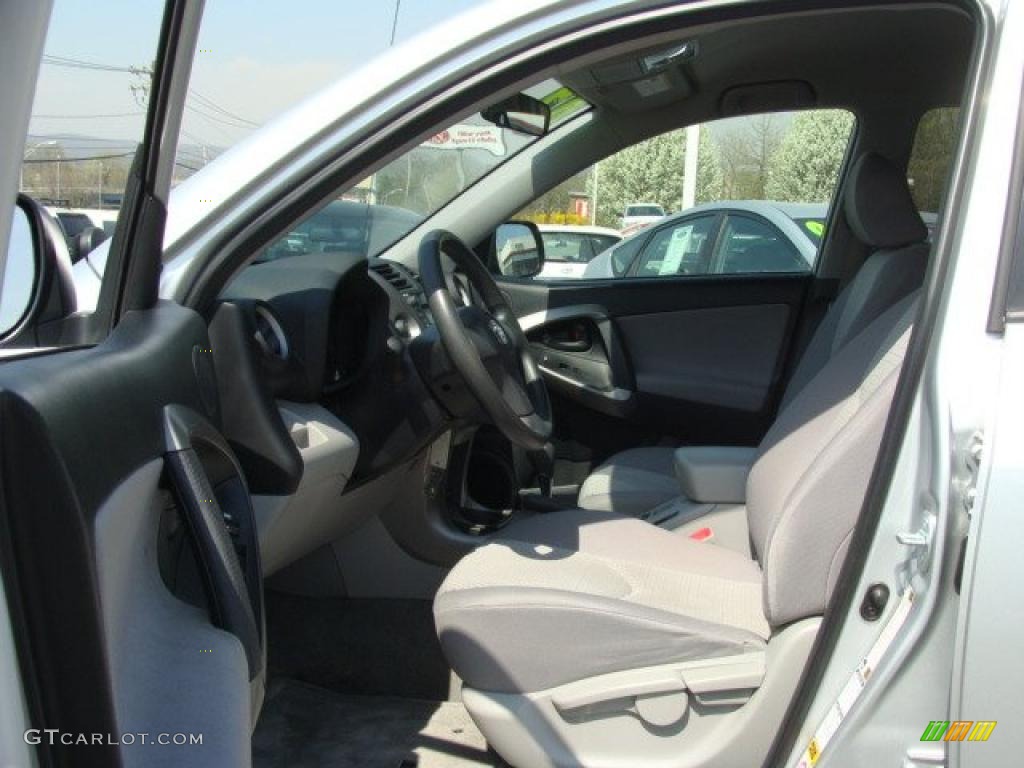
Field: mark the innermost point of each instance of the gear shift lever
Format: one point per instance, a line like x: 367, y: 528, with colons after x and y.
x: 543, y: 462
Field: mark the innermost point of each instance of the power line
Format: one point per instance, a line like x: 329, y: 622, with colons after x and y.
x: 204, y: 106
x: 87, y: 117
x: 67, y: 61
x: 208, y: 102
x: 217, y: 118
x: 77, y: 159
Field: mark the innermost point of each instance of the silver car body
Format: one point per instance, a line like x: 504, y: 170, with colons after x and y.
x: 560, y: 268
x: 782, y: 215
x: 955, y: 655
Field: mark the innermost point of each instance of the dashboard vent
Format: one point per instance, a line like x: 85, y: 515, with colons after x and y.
x: 269, y: 333
x: 392, y: 274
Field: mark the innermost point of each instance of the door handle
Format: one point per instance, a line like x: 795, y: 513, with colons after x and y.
x: 574, y: 337
x: 568, y: 346
x: 224, y: 538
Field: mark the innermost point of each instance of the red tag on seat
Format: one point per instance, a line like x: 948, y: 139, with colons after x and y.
x: 702, y: 534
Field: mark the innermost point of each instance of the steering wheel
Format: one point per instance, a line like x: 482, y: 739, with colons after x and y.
x: 486, y: 344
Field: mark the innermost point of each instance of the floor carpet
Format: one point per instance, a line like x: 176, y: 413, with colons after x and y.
x: 303, y: 726
x: 366, y: 647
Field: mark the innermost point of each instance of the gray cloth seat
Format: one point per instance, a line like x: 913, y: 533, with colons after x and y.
x: 576, y: 594
x: 571, y: 595
x: 882, y: 216
x: 631, y: 482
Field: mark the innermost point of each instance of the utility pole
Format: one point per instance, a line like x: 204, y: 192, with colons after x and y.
x: 594, y: 180
x: 394, y: 23
x: 690, y: 166
x: 372, y: 198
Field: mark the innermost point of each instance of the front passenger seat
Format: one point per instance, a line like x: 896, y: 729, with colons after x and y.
x: 882, y: 215
x: 596, y: 639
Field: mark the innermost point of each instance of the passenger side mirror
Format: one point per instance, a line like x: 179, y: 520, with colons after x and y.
x: 520, y: 113
x: 37, y: 289
x: 517, y: 249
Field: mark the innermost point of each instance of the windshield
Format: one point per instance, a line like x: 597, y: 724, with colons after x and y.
x: 371, y: 216
x: 575, y: 247
x: 644, y: 210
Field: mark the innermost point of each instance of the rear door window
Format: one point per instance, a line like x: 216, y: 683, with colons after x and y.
x: 679, y: 249
x: 748, y: 245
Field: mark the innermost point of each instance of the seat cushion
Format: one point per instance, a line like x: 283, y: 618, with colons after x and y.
x: 631, y: 482
x: 570, y: 595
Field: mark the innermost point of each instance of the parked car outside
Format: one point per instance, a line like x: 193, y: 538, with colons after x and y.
x: 727, y: 237
x: 639, y: 215
x: 568, y: 248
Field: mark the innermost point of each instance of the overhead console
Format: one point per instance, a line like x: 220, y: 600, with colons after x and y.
x: 639, y: 81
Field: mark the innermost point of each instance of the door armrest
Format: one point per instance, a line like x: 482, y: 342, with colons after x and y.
x: 714, y: 474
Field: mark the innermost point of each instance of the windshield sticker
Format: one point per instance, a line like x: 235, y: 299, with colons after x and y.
x: 465, y: 136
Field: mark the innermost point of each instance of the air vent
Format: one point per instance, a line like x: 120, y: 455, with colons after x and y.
x: 392, y: 274
x: 269, y: 333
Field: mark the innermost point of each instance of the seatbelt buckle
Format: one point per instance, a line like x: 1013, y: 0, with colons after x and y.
x: 702, y: 534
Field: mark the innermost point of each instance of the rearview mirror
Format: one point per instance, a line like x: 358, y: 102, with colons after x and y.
x: 520, y: 113
x: 518, y: 250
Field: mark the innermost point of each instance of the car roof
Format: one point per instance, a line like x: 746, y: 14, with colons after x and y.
x: 767, y: 208
x: 580, y: 228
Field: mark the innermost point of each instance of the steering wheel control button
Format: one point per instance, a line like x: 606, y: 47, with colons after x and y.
x: 498, y: 331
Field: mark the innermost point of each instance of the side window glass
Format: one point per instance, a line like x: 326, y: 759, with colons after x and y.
x: 931, y: 159
x: 678, y: 250
x: 622, y: 255
x: 748, y: 245
x: 779, y: 167
x: 88, y: 117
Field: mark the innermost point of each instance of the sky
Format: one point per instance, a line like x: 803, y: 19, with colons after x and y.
x: 255, y: 59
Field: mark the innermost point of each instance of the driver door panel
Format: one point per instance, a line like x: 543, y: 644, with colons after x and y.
x: 86, y: 518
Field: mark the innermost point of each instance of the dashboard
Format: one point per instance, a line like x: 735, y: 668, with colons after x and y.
x: 330, y: 329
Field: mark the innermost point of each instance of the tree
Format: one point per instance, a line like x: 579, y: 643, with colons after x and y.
x: 652, y: 172
x: 559, y: 199
x: 932, y: 156
x: 710, y: 179
x: 805, y: 168
x: 747, y: 145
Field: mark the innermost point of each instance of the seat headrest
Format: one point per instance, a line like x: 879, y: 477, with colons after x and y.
x: 878, y: 205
